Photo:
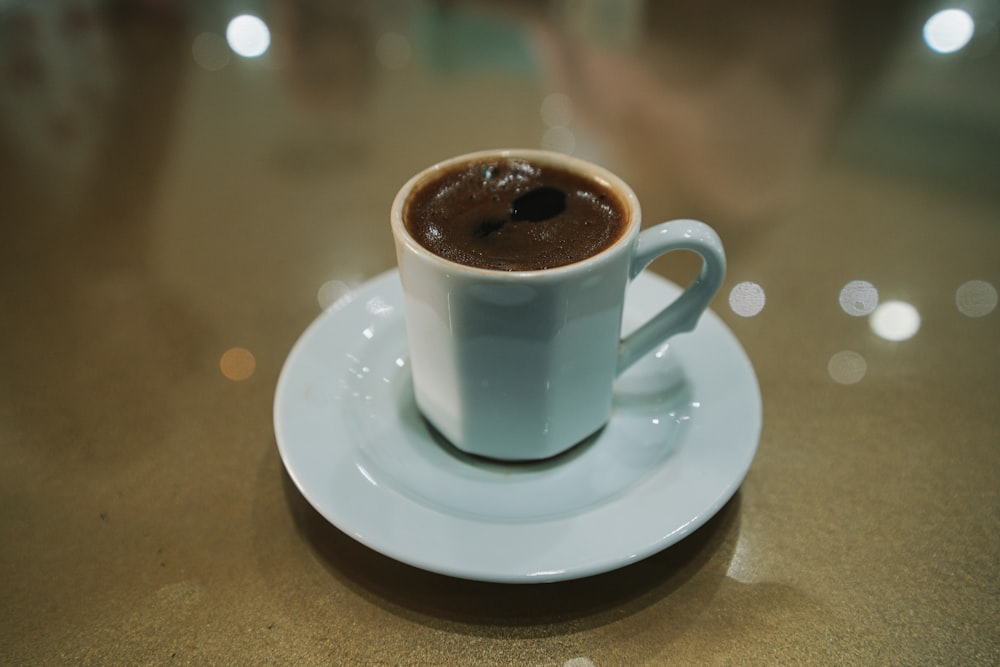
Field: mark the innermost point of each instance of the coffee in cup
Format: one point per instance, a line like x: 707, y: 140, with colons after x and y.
x: 512, y: 214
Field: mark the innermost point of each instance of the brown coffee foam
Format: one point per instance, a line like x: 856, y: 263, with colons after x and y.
x: 463, y: 214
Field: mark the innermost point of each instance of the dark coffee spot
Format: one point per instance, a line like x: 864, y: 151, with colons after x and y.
x: 538, y: 204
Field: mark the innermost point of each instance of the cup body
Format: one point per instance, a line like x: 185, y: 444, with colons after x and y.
x: 515, y: 365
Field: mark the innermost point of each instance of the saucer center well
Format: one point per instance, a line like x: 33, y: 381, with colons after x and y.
x: 401, y: 449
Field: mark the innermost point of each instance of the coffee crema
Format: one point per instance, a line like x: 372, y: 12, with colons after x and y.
x: 512, y: 214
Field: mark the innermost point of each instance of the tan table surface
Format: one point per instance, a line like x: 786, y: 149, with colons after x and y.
x: 173, y: 215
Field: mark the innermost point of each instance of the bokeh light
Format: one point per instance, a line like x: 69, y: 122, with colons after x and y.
x: 949, y: 30
x: 747, y: 299
x: 248, y: 36
x: 858, y: 298
x: 895, y: 321
x: 237, y: 364
x: 976, y: 298
x: 847, y: 367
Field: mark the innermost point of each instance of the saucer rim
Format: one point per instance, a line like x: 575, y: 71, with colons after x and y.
x: 386, y: 285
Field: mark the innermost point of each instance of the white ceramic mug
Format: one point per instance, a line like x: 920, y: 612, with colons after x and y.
x: 520, y: 365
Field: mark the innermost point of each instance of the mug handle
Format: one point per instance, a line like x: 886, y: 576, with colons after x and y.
x: 683, y: 314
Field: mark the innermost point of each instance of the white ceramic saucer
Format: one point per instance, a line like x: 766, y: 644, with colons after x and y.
x: 685, y: 428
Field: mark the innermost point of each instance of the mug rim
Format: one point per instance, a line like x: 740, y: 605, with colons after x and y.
x: 578, y: 165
